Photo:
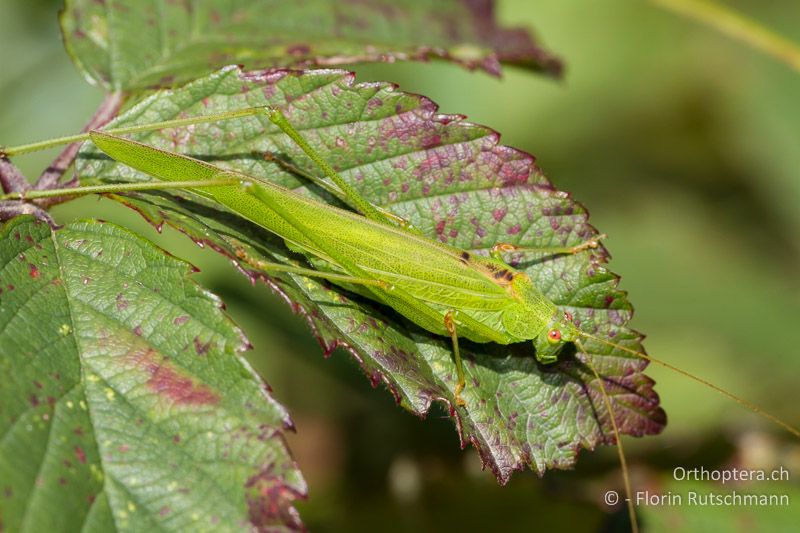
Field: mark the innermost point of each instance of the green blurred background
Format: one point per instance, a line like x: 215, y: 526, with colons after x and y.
x: 685, y: 147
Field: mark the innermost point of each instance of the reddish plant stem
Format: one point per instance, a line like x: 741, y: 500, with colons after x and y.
x: 51, y: 176
x: 9, y: 210
x: 11, y: 179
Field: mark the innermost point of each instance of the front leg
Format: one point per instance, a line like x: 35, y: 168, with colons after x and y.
x: 501, y: 248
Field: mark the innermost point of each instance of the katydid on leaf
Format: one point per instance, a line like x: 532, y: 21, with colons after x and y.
x: 443, y: 289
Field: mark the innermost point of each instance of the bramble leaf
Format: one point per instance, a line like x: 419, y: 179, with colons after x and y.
x: 125, y: 404
x: 455, y: 183
x: 135, y: 44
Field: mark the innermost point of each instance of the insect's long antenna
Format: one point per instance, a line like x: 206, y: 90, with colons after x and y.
x: 622, y: 461
x: 794, y: 431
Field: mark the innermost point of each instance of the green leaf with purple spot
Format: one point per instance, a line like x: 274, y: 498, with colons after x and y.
x: 455, y: 183
x: 124, y: 403
x: 134, y: 44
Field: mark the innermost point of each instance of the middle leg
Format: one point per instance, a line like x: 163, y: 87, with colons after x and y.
x: 450, y: 324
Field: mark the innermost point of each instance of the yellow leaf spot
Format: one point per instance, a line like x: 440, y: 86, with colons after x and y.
x: 96, y: 472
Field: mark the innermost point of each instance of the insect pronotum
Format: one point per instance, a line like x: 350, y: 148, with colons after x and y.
x: 443, y: 289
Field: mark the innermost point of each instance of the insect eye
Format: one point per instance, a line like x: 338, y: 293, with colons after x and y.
x: 568, y: 316
x: 554, y: 335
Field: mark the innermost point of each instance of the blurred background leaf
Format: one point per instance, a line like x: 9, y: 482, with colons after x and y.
x: 135, y: 44
x: 684, y: 507
x: 737, y: 26
x: 683, y: 146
